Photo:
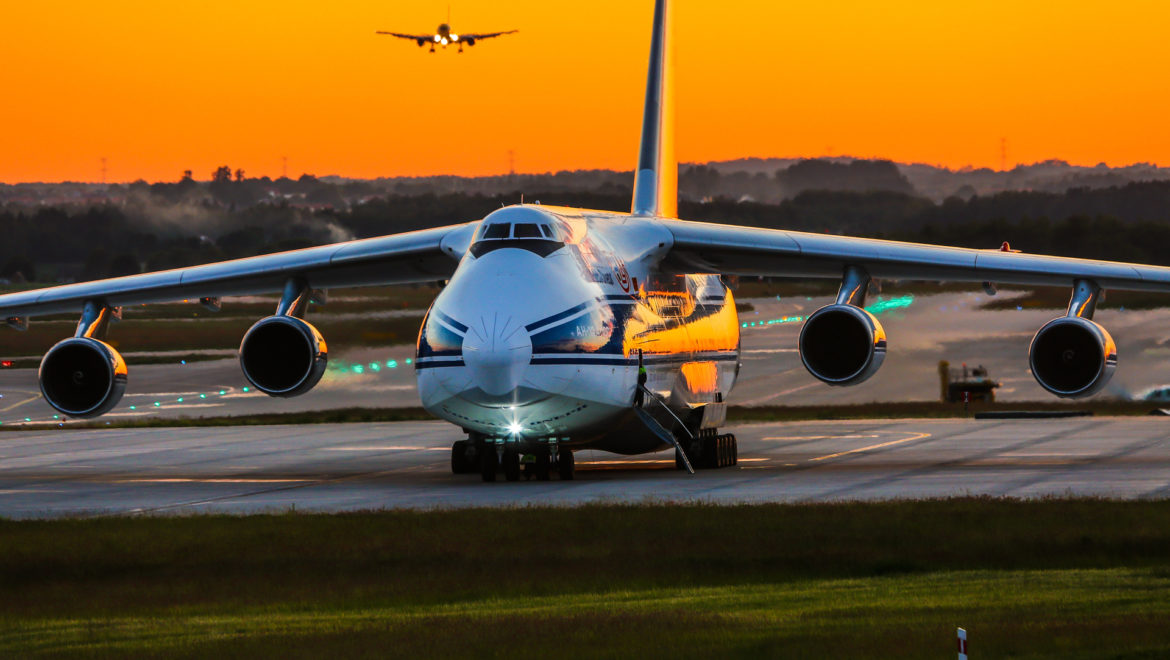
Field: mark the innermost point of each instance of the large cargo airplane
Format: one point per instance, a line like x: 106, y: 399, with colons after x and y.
x: 562, y: 329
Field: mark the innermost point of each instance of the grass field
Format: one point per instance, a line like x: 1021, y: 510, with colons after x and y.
x: 1055, y: 578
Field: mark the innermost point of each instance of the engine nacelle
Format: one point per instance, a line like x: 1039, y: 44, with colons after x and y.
x: 1072, y: 357
x: 283, y: 356
x: 83, y: 377
x: 842, y: 344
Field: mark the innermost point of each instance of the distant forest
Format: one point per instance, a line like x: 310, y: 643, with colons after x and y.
x: 178, y: 224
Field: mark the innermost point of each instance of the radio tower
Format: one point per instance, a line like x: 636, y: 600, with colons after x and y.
x: 103, y: 170
x: 284, y: 167
x: 511, y: 163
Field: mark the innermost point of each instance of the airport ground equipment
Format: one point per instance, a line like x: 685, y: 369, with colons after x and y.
x: 966, y: 384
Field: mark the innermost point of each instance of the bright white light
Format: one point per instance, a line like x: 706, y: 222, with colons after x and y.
x: 444, y: 42
x: 454, y: 37
x: 437, y: 38
x: 515, y: 429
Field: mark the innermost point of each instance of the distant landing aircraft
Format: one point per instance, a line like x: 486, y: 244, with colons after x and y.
x: 444, y: 36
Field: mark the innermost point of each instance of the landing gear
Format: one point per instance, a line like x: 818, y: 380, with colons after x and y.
x: 464, y: 457
x: 543, y: 465
x: 489, y: 462
x: 565, y: 465
x: 711, y: 450
x: 511, y: 464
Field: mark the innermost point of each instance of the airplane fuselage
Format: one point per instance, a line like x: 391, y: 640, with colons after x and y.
x: 537, y: 334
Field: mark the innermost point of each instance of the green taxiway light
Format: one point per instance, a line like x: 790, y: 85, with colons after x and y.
x: 133, y: 407
x: 357, y: 368
x: 245, y: 389
x: 28, y: 419
x: 222, y: 392
x: 393, y: 364
x: 374, y: 366
x: 408, y: 360
x: 157, y: 404
x: 202, y: 396
x: 179, y: 400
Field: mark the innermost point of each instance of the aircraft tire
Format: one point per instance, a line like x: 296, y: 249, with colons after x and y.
x: 460, y: 463
x: 566, y: 467
x: 488, y: 463
x: 511, y: 465
x: 543, y: 465
x: 734, y: 450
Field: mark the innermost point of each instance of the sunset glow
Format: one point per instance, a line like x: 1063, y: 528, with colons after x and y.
x: 157, y: 88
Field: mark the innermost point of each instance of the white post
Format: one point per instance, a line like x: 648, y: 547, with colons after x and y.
x: 962, y: 644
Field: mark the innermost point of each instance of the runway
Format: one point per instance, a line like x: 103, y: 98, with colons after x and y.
x: 175, y: 471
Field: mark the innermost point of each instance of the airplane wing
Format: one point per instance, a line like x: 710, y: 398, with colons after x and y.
x: 486, y: 35
x: 749, y: 251
x: 412, y: 37
x: 420, y: 256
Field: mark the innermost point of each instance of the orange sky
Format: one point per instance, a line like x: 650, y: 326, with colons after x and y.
x: 159, y: 87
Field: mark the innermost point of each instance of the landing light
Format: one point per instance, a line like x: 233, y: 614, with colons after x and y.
x: 515, y: 429
x: 454, y: 37
x: 437, y: 38
x: 445, y: 42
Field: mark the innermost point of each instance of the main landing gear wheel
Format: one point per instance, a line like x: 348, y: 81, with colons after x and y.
x: 565, y: 465
x: 489, y: 462
x: 716, y: 451
x: 464, y: 458
x: 543, y: 465
x: 511, y: 465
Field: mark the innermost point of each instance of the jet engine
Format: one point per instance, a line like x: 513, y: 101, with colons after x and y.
x: 1072, y: 357
x: 842, y: 344
x: 83, y: 377
x: 283, y: 356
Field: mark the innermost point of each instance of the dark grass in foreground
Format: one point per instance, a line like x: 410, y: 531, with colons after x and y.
x: 735, y: 415
x: 1068, y: 578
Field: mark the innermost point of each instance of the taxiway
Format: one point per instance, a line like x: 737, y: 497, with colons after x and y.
x: 406, y: 465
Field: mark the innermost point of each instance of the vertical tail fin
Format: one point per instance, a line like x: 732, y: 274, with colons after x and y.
x: 656, y: 179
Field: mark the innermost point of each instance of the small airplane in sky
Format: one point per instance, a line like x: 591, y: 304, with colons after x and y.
x: 443, y: 36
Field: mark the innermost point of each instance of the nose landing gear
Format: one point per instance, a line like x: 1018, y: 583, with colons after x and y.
x: 489, y: 457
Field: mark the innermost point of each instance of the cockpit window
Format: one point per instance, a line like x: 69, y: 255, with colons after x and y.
x: 525, y: 230
x: 546, y: 231
x: 499, y: 230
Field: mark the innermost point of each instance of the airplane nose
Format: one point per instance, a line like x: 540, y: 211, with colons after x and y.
x: 497, y: 351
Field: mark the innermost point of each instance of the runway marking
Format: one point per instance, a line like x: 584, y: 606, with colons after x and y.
x: 659, y: 461
x: 1023, y: 454
x: 193, y: 480
x: 21, y: 403
x: 818, y: 437
x: 779, y: 394
x: 891, y: 443
x: 386, y: 448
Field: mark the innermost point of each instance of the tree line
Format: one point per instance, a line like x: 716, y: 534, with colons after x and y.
x: 167, y: 230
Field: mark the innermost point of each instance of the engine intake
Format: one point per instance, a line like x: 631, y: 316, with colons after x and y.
x: 83, y: 377
x: 283, y: 356
x: 842, y: 344
x: 1072, y: 357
